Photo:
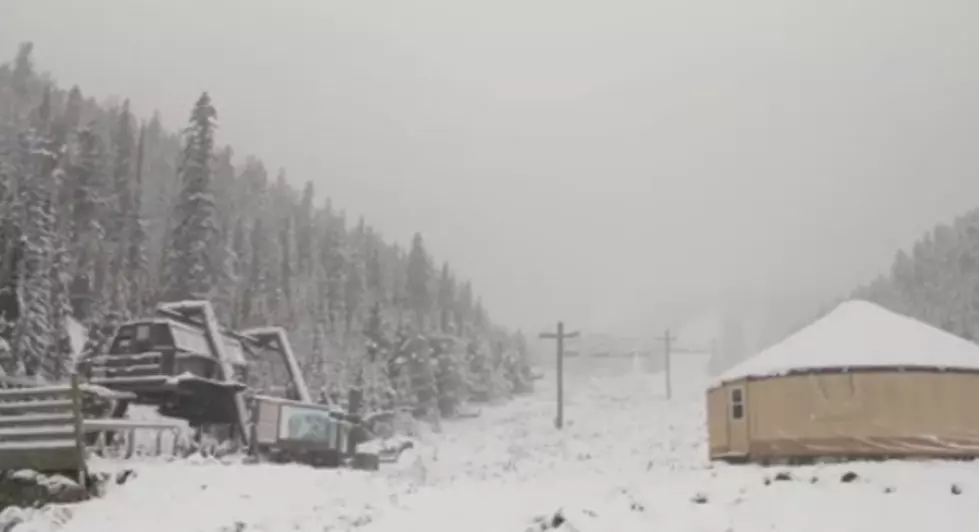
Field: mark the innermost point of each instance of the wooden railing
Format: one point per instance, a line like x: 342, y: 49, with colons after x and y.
x: 43, y: 427
x: 129, y: 429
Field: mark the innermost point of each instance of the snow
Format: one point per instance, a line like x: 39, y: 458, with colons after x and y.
x: 106, y: 393
x: 627, y: 460
x: 701, y: 331
x: 77, y: 337
x: 146, y: 440
x: 859, y: 334
x: 380, y: 445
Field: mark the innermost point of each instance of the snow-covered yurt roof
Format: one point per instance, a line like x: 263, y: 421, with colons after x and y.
x: 860, y: 335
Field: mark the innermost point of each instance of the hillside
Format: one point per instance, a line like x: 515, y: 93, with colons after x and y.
x: 103, y: 214
x: 937, y: 279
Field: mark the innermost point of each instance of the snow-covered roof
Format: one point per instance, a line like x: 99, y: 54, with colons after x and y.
x: 860, y: 335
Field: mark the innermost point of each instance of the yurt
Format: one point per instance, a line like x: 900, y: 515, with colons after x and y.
x: 861, y: 382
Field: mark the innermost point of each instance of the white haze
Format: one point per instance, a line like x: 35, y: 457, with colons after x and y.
x: 593, y: 161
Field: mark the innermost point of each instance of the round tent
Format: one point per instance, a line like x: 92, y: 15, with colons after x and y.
x: 860, y: 382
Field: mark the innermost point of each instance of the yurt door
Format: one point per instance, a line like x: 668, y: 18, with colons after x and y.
x: 737, y: 420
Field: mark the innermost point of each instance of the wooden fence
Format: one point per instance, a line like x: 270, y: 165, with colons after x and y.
x: 43, y: 426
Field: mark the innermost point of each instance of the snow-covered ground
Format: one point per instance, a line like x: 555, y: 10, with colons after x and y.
x: 626, y: 460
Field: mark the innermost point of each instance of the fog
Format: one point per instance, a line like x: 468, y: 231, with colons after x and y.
x: 602, y: 162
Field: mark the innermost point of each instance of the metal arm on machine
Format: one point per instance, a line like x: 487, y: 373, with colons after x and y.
x: 267, y: 335
x: 212, y: 331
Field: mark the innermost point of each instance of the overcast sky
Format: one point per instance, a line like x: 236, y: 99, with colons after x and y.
x: 584, y: 160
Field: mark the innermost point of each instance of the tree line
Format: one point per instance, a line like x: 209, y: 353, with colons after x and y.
x: 102, y: 215
x: 937, y: 279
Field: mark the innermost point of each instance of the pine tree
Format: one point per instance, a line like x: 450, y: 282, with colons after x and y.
x: 10, y: 248
x: 190, y: 272
x: 72, y: 117
x: 122, y: 201
x: 223, y: 290
x: 304, y: 230
x: 464, y: 307
x: 136, y: 270
x: 252, y: 304
x: 334, y: 262
x: 23, y: 73
x: 374, y: 327
x: 480, y: 321
x: 446, y: 298
x: 374, y: 272
x: 35, y: 337
x: 223, y: 187
x: 124, y: 148
x: 354, y: 289
x: 239, y: 251
x: 61, y: 307
x: 417, y: 281
x: 87, y: 233
x: 286, y: 261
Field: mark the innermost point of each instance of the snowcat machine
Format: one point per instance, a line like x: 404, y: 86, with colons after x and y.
x: 245, y: 388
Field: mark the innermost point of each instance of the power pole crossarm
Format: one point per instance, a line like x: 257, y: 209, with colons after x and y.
x: 552, y: 336
x: 560, y: 336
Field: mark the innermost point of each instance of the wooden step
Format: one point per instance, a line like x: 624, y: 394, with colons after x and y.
x: 34, y: 392
x: 54, y: 443
x: 41, y: 432
x: 49, y: 405
x: 97, y: 425
x: 59, y: 454
x: 28, y: 420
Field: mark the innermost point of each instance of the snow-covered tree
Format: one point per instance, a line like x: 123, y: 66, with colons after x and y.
x: 108, y: 216
x: 88, y: 185
x: 418, y: 279
x: 34, y: 337
x: 136, y: 266
x: 191, y: 272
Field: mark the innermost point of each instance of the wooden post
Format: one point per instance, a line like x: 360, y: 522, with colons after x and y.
x: 560, y: 336
x: 559, y: 419
x: 79, y: 422
x: 667, y: 370
x: 101, y: 445
x: 159, y: 443
x: 176, y: 450
x: 130, y: 443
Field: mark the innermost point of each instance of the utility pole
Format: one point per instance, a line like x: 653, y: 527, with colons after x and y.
x: 667, y: 339
x: 560, y: 336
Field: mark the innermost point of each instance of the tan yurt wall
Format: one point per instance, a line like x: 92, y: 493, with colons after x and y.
x: 717, y: 408
x: 887, y: 411
x: 727, y: 419
x: 738, y: 416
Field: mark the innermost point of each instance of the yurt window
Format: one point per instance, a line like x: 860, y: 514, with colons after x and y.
x: 737, y: 403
